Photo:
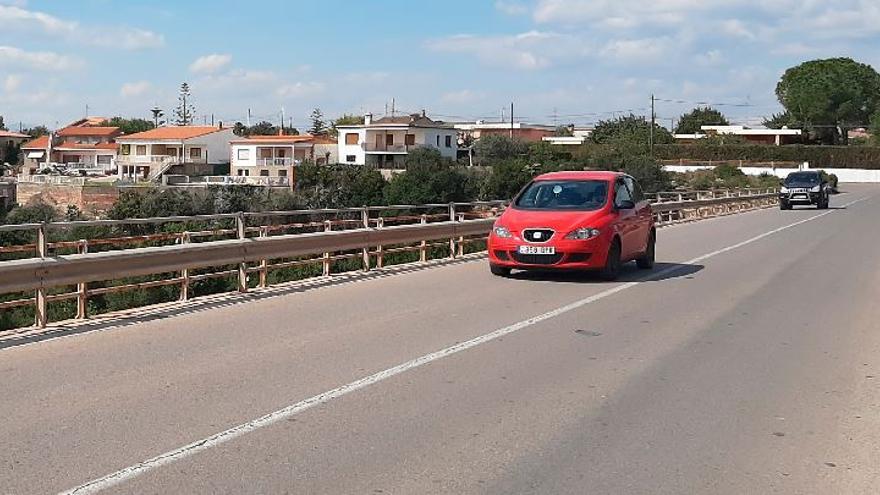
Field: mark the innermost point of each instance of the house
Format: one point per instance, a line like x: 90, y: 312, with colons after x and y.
x: 386, y: 141
x: 275, y: 156
x: 87, y: 149
x: 10, y: 140
x: 186, y: 150
x: 532, y: 133
x: 776, y: 137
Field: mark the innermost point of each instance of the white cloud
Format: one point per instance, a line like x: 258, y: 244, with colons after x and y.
x: 42, y: 61
x: 300, y: 89
x: 531, y: 50
x: 511, y: 7
x: 711, y: 58
x: 463, y: 96
x: 737, y: 29
x: 12, y: 82
x: 134, y: 89
x: 16, y: 17
x: 633, y: 50
x: 209, y: 64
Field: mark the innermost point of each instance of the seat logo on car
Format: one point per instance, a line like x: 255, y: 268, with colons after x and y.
x: 536, y: 236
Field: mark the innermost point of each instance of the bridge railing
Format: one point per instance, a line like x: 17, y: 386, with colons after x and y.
x: 83, y: 261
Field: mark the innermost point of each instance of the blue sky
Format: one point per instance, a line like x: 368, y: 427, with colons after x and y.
x: 559, y: 60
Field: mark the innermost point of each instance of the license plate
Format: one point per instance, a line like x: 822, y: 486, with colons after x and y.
x: 537, y: 250
x: 800, y: 196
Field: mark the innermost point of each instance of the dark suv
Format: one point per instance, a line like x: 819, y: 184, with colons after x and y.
x: 804, y: 188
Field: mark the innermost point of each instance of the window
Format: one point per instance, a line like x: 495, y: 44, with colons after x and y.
x: 140, y: 150
x: 244, y: 154
x: 104, y: 159
x: 438, y: 140
x: 282, y: 173
x: 195, y: 152
x: 635, y: 189
x: 389, y: 140
x: 409, y: 139
x: 449, y: 141
x: 580, y: 195
x: 264, y: 173
x: 125, y: 149
x: 350, y: 158
x: 621, y: 193
x: 351, y: 138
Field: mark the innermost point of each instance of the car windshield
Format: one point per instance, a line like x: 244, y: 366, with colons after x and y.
x: 580, y: 195
x: 802, y: 178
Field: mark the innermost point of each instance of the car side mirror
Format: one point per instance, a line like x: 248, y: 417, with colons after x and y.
x: 625, y: 204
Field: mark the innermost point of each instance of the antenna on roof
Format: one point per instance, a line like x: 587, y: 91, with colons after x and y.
x: 392, y: 107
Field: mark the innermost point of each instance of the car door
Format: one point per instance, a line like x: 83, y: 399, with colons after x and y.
x: 644, y: 215
x: 627, y: 220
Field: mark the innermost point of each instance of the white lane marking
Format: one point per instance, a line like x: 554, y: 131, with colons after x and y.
x: 169, y: 457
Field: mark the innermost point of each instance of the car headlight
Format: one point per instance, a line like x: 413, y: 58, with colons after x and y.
x: 783, y: 189
x: 503, y: 232
x: 582, y: 234
x: 816, y: 189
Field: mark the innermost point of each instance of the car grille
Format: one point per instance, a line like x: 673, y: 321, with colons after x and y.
x: 537, y: 235
x: 537, y: 259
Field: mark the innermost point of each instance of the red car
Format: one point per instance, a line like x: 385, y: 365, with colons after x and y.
x: 575, y: 220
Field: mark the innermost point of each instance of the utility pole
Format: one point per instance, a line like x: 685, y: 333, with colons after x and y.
x: 87, y: 110
x: 511, y: 120
x: 282, y: 121
x: 653, y: 117
x: 212, y: 120
x: 249, y: 117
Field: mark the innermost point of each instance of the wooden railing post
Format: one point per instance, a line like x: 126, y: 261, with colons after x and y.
x: 452, y: 239
x: 365, y: 252
x: 264, y: 263
x: 423, y: 247
x: 380, y: 251
x: 328, y: 226
x: 242, y: 267
x: 184, y: 274
x: 461, y: 239
x: 41, y: 316
x: 82, y: 288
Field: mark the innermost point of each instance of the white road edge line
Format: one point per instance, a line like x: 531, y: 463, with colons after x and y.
x: 216, y: 439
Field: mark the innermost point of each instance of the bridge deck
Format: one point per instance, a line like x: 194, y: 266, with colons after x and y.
x: 750, y: 363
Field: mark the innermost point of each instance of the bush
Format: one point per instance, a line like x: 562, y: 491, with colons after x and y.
x: 867, y: 157
x: 430, y: 178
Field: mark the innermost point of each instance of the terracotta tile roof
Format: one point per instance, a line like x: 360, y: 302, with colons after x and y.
x: 324, y: 140
x: 89, y: 122
x: 172, y: 132
x: 9, y: 134
x: 39, y: 143
x: 88, y: 131
x: 70, y: 145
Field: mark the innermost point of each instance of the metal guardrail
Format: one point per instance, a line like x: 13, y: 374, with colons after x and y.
x: 368, y: 241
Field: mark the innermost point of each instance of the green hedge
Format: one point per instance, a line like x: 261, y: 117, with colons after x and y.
x: 867, y: 157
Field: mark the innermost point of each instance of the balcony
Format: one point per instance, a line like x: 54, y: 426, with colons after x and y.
x: 157, y: 159
x: 390, y: 148
x: 275, y: 162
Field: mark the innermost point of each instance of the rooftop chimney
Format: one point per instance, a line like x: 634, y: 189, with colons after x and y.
x: 424, y: 114
x: 368, y: 119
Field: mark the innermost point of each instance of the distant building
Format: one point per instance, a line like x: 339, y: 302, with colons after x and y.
x: 386, y: 141
x: 759, y: 136
x: 520, y: 130
x: 8, y: 139
x: 185, y: 150
x: 275, y: 156
x: 79, y: 147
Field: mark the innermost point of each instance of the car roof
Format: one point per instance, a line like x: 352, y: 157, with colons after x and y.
x: 581, y: 175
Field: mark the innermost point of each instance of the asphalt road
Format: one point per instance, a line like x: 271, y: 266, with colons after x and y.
x: 748, y: 363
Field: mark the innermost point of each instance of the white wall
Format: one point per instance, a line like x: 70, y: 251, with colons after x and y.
x: 357, y: 150
x: 843, y: 174
x: 217, y: 145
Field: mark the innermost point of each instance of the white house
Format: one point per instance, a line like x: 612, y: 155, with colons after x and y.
x: 270, y: 156
x: 761, y: 135
x: 174, y: 149
x: 386, y: 141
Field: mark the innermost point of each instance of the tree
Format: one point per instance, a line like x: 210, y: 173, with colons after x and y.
x: 37, y: 131
x: 319, y: 127
x: 2, y: 124
x: 429, y: 178
x: 497, y: 147
x: 158, y: 113
x: 262, y: 128
x: 130, y: 126
x: 780, y: 120
x: 565, y: 130
x: 631, y: 129
x: 346, y: 119
x: 691, y: 122
x: 874, y: 130
x: 830, y: 96
x: 185, y: 110
x: 10, y: 153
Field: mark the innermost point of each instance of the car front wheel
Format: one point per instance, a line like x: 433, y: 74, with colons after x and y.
x: 612, y: 263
